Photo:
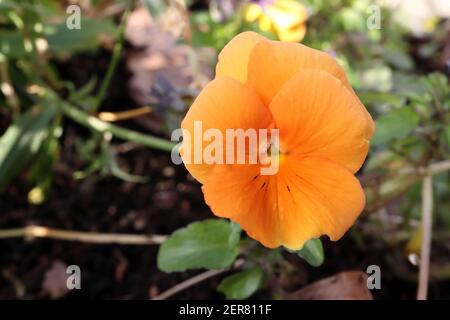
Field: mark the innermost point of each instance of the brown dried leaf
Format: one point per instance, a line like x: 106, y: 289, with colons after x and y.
x: 348, y: 285
x: 140, y: 29
x: 160, y: 62
x: 55, y: 280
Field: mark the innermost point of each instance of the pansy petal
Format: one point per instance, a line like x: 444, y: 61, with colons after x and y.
x: 234, y: 57
x: 316, y: 197
x: 317, y: 115
x: 240, y: 193
x: 273, y: 63
x: 223, y: 104
x: 308, y: 198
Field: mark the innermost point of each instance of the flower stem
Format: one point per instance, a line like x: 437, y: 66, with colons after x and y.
x: 101, y: 126
x: 7, y: 88
x: 117, y: 51
x: 427, y: 222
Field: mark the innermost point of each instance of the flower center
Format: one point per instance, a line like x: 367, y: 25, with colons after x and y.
x: 275, y: 154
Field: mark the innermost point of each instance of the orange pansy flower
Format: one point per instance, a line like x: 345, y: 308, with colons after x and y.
x: 324, y: 133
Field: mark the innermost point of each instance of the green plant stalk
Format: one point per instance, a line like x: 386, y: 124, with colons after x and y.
x: 117, y: 51
x: 101, y: 126
x: 427, y: 225
x: 10, y: 94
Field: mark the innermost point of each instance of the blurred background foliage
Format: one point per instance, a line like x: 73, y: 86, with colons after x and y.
x: 80, y: 100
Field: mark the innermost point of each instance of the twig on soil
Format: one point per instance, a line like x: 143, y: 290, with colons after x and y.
x: 32, y: 231
x: 195, y: 280
x: 427, y: 221
x: 123, y: 115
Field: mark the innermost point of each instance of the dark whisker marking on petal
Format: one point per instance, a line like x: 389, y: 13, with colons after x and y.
x: 289, y: 189
x: 263, y: 185
x: 254, y: 178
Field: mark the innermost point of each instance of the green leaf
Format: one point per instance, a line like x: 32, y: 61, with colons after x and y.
x: 41, y: 173
x: 62, y: 40
x: 312, y: 252
x: 241, y: 285
x: 12, y: 44
x: 381, y: 98
x: 83, y: 93
x: 21, y: 141
x: 398, y: 59
x: 446, y: 136
x: 211, y: 244
x: 397, y: 124
x: 116, y: 171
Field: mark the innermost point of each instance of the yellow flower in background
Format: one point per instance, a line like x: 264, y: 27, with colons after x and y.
x: 286, y: 18
x: 431, y: 23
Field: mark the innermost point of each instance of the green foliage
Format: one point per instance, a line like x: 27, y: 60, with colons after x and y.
x: 208, y: 32
x: 312, y: 252
x: 398, y: 59
x: 62, y: 40
x: 211, y: 244
x: 397, y: 124
x: 22, y: 141
x: 242, y: 285
x: 12, y: 44
x: 446, y: 136
x: 41, y: 172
